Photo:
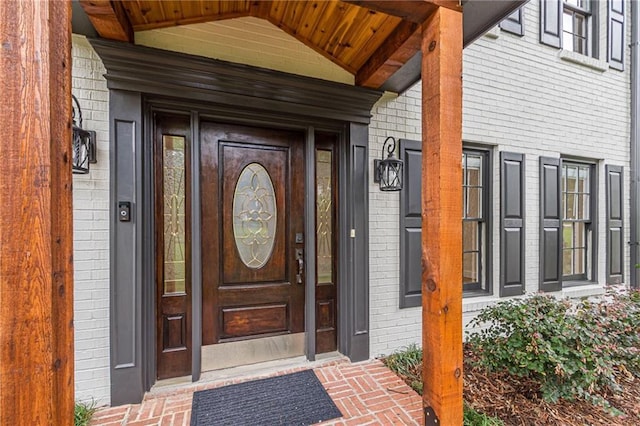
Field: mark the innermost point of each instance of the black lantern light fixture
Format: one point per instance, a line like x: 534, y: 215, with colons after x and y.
x: 388, y: 172
x: 83, y: 143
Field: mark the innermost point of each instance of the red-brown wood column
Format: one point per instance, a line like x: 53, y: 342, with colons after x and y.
x: 36, y: 240
x: 442, y: 217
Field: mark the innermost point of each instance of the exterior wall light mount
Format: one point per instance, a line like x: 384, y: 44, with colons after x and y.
x: 388, y: 172
x: 83, y: 142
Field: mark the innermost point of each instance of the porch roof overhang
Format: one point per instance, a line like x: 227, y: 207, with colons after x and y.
x: 378, y: 41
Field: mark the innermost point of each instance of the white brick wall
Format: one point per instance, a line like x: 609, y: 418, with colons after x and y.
x: 518, y: 96
x: 91, y: 232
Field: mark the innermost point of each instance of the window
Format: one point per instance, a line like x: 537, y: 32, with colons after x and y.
x: 474, y: 221
x: 567, y: 222
x: 576, y: 19
x: 576, y: 205
x: 571, y: 25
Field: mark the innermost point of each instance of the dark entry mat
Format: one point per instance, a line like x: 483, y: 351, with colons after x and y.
x: 292, y: 399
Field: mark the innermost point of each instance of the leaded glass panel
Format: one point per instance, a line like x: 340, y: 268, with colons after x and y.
x: 174, y: 199
x: 254, y: 216
x: 324, y: 215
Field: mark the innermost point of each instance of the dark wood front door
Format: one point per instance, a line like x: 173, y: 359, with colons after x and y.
x: 173, y: 239
x: 252, y: 191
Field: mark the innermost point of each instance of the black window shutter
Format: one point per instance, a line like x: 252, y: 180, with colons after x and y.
x: 514, y: 23
x: 615, y: 222
x: 550, y: 224
x: 411, y: 225
x: 511, y: 224
x: 551, y: 22
x: 615, y: 29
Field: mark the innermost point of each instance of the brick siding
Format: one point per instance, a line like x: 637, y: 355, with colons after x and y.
x: 518, y: 96
x: 91, y: 232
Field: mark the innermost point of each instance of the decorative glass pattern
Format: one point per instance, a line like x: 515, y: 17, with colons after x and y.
x: 174, y: 197
x: 324, y: 215
x: 254, y: 216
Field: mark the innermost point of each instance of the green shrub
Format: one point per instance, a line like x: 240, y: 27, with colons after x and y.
x: 83, y: 412
x: 473, y: 418
x: 407, y: 364
x: 571, y: 350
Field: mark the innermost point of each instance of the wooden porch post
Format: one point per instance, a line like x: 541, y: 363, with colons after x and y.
x: 442, y: 217
x: 36, y: 240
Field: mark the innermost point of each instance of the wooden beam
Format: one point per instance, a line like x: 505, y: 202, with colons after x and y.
x: 292, y: 32
x: 36, y: 240
x: 109, y: 18
x: 409, y: 10
x: 401, y: 45
x: 442, y: 217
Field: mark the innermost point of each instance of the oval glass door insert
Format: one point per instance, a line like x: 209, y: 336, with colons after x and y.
x: 254, y: 216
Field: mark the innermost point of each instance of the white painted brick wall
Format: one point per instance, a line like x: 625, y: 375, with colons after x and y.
x: 91, y: 232
x: 518, y: 96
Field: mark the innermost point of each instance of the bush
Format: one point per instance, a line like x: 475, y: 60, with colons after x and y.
x: 83, y: 412
x: 473, y: 418
x: 570, y: 350
x: 407, y: 364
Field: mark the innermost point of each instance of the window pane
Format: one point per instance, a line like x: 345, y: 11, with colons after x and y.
x: 324, y: 212
x: 474, y: 203
x: 567, y: 21
x: 579, y: 236
x: 474, y: 170
x: 571, y: 176
x: 571, y: 207
x: 470, y: 268
x: 581, y: 4
x: 465, y: 195
x: 567, y: 235
x: 579, y: 262
x: 173, y: 188
x: 579, y: 26
x: 586, y: 207
x: 580, y: 211
x: 584, y: 179
x: 464, y: 167
x: 567, y: 262
x: 470, y: 236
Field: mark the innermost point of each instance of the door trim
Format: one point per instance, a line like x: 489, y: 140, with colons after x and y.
x: 140, y: 82
x: 310, y: 244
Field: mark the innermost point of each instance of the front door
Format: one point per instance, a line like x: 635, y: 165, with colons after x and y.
x: 252, y: 192
x: 172, y: 231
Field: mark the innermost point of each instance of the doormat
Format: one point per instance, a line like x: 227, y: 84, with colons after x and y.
x: 293, y: 399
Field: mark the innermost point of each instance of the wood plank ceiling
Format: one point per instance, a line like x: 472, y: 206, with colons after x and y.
x: 369, y: 39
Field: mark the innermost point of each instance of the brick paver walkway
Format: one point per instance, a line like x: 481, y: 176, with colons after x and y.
x: 366, y: 393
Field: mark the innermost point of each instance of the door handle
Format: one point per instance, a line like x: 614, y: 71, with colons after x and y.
x: 300, y: 260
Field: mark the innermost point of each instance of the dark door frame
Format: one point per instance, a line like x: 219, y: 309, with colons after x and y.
x: 143, y: 80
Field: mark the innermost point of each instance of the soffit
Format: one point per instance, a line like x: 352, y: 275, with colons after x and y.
x: 370, y: 39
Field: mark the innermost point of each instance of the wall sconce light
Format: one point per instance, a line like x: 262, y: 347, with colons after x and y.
x: 388, y: 171
x: 83, y: 142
